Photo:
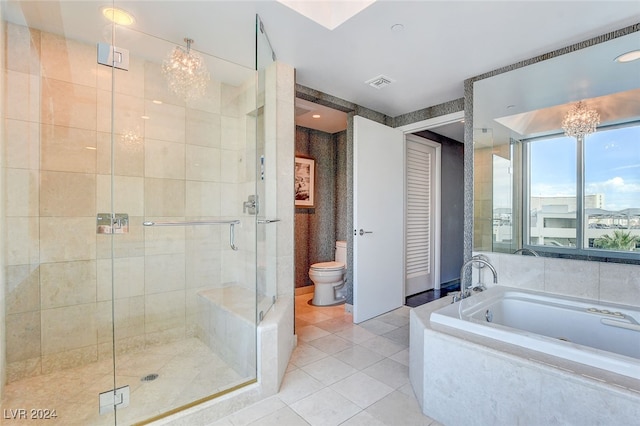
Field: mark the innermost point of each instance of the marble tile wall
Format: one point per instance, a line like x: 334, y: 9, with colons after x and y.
x: 601, y: 281
x: 174, y: 160
x: 3, y: 329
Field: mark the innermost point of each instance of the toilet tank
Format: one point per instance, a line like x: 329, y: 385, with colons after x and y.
x: 341, y: 252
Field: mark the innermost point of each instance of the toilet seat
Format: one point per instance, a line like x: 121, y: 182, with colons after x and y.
x: 327, y: 266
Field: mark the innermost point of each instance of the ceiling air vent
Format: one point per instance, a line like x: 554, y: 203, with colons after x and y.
x: 379, y: 82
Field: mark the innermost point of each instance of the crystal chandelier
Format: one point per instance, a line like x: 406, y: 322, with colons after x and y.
x: 580, y: 121
x: 186, y: 72
x: 131, y: 140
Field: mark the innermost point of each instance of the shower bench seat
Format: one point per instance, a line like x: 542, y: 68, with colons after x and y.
x: 227, y: 325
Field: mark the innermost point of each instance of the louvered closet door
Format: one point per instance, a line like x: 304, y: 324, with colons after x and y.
x: 420, y: 160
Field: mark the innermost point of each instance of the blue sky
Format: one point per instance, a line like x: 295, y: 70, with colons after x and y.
x: 612, y: 167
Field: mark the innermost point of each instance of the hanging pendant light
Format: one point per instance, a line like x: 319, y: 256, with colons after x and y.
x: 186, y: 73
x: 580, y: 121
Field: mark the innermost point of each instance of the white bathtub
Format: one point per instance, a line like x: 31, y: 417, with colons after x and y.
x: 579, y: 330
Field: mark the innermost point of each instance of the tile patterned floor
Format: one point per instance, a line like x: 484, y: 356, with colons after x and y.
x: 185, y: 369
x: 339, y: 374
x: 342, y: 374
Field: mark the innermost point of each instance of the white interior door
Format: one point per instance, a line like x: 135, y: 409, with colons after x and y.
x: 378, y: 243
x: 421, y: 179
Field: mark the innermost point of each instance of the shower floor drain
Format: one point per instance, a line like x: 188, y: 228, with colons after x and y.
x: 149, y: 377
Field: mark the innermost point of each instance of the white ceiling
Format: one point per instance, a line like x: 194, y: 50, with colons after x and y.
x: 442, y: 44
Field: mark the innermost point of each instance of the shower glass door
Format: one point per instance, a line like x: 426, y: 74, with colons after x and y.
x: 183, y: 172
x: 129, y: 270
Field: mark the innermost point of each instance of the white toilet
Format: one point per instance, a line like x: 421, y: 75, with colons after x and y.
x: 328, y: 278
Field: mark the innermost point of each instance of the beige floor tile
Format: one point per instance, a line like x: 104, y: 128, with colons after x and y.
x: 378, y: 327
x: 305, y: 354
x: 399, y: 409
x: 407, y: 389
x: 283, y: 417
x: 223, y: 422
x: 356, y: 334
x: 325, y: 408
x: 311, y: 332
x: 363, y: 419
x: 402, y: 357
x: 403, y: 311
x: 335, y: 325
x: 359, y: 357
x: 297, y: 385
x: 301, y: 323
x: 257, y: 411
x: 390, y: 372
x: 361, y: 389
x: 314, y: 317
x: 331, y: 344
x: 400, y: 336
x: 383, y: 346
x: 329, y: 370
x: 394, y: 319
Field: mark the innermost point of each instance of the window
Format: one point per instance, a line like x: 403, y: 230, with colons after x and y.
x: 552, y: 192
x: 584, y: 196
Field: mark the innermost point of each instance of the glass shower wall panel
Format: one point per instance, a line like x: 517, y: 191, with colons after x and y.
x: 266, y: 187
x: 94, y: 300
x: 185, y: 320
x: 57, y: 345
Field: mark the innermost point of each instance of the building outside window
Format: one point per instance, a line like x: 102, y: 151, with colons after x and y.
x: 584, y: 196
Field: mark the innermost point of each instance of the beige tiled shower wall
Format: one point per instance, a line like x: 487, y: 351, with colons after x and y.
x: 185, y: 161
x: 3, y: 329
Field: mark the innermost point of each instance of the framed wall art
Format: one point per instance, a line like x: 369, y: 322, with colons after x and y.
x: 305, y: 180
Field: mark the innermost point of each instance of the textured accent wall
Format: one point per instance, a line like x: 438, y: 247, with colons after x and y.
x: 430, y: 112
x: 341, y: 215
x: 316, y: 229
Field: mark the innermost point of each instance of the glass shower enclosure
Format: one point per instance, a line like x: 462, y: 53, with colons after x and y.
x: 135, y: 267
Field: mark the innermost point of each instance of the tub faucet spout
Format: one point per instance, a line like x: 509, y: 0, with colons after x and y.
x: 466, y: 291
x: 526, y: 250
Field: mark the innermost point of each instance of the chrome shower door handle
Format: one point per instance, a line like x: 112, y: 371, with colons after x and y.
x: 362, y: 232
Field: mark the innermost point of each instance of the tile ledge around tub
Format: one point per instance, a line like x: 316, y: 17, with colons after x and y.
x: 423, y: 312
x: 570, y: 369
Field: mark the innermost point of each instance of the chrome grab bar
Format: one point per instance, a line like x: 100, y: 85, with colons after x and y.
x: 268, y: 220
x: 231, y: 223
x: 194, y: 222
x: 620, y: 324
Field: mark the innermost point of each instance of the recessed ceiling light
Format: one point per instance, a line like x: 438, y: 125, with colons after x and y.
x: 144, y: 117
x: 397, y: 28
x: 93, y: 148
x: 629, y: 56
x: 157, y: 102
x: 118, y: 16
x: 316, y: 116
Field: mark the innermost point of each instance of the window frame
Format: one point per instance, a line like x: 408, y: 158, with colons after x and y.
x: 579, y: 251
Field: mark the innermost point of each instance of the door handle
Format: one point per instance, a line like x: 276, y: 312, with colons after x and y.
x: 362, y: 232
